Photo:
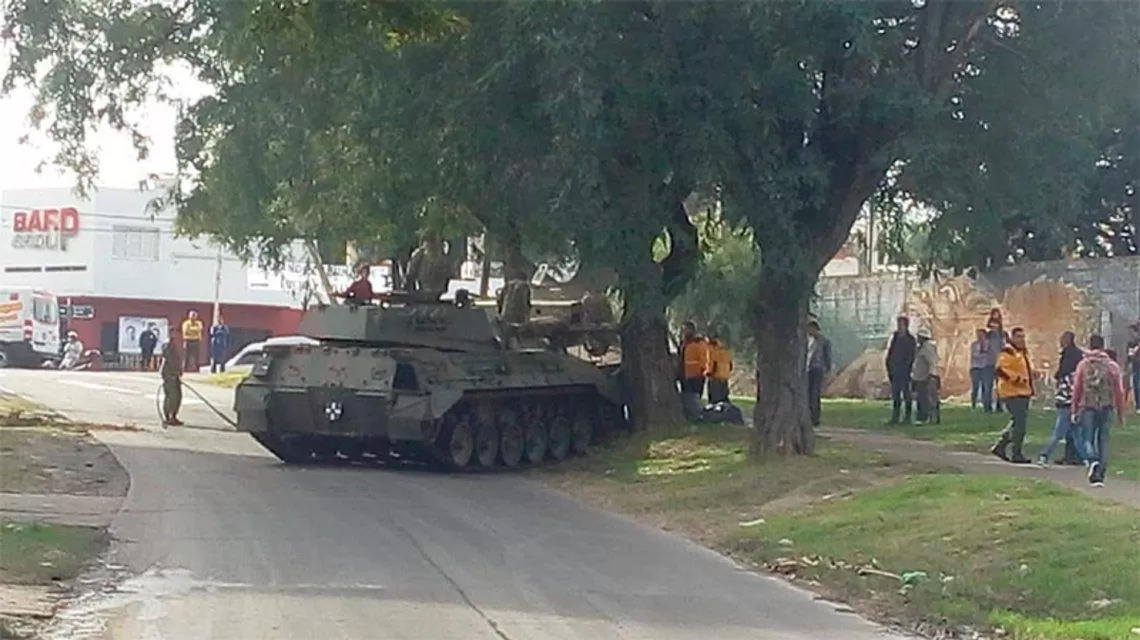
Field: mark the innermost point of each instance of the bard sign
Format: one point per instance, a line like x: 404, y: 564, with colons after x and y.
x: 48, y: 229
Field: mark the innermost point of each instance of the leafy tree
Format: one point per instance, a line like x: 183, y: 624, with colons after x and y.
x: 270, y: 157
x: 720, y: 295
x: 611, y: 114
x: 266, y: 157
x: 928, y: 89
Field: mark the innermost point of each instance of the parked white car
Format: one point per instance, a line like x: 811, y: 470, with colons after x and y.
x: 244, y: 360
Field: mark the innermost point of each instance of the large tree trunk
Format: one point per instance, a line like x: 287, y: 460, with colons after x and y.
x: 649, y: 371
x: 780, y: 419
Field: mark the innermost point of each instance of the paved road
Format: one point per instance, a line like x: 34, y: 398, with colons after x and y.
x: 115, y: 398
x: 224, y: 542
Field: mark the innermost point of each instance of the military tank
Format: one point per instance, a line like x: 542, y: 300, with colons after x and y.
x: 430, y: 381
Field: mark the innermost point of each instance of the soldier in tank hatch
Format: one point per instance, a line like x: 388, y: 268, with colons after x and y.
x: 360, y: 291
x: 429, y: 270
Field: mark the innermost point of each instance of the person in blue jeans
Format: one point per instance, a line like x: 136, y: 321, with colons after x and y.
x: 1134, y: 362
x: 981, y: 373
x: 219, y: 345
x: 1098, y: 391
x: 1064, y: 428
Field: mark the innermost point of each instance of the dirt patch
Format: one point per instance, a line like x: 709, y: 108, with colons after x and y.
x: 51, y: 460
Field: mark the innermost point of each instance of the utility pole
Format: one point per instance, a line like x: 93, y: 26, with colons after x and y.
x: 218, y: 286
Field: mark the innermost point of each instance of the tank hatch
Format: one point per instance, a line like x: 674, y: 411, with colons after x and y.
x: 436, y: 325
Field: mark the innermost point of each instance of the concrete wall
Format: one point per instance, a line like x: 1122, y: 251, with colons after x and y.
x: 1084, y: 296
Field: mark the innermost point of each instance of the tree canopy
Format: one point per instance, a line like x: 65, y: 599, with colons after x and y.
x: 583, y: 127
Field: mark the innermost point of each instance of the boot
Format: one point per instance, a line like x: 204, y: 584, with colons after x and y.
x: 999, y: 448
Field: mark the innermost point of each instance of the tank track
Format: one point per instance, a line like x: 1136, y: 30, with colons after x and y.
x: 480, y: 433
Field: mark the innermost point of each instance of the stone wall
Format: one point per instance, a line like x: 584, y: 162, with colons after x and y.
x: 1084, y: 296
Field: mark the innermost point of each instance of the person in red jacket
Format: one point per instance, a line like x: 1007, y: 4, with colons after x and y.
x: 360, y: 291
x: 1098, y: 391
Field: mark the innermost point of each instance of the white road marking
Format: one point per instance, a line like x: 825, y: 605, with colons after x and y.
x: 185, y: 400
x: 97, y: 387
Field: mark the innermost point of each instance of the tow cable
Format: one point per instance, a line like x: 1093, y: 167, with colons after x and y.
x: 159, y: 397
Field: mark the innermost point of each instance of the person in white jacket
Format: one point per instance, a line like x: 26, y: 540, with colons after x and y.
x: 923, y: 372
x: 72, y: 351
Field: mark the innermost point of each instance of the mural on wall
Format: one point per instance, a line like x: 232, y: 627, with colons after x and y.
x: 954, y: 308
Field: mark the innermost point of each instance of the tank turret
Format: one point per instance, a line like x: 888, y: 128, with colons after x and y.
x: 402, y: 322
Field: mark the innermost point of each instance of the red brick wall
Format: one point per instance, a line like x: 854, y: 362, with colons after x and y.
x: 277, y: 321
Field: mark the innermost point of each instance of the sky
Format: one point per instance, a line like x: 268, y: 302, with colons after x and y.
x: 119, y: 165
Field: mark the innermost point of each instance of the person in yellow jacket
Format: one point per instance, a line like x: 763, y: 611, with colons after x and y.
x: 192, y: 340
x: 1014, y: 388
x: 720, y: 367
x: 693, y: 368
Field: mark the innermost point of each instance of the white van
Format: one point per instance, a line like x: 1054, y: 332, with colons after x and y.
x: 29, y: 327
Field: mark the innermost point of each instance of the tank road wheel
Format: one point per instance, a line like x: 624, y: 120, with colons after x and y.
x: 511, y: 439
x: 487, y: 443
x: 458, y: 443
x: 581, y: 433
x: 558, y: 436
x: 534, y: 437
x: 288, y: 450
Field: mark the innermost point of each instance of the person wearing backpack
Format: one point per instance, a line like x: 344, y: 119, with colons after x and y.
x: 1098, y: 391
x: 1015, y: 388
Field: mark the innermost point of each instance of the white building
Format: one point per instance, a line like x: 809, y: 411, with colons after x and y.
x: 119, y: 262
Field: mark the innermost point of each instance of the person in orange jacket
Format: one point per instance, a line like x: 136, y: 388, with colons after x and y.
x: 693, y: 367
x: 720, y: 367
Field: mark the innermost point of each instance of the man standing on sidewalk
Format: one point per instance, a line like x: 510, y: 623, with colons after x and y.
x: 900, y: 359
x: 192, y: 340
x: 1098, y: 391
x: 1015, y: 388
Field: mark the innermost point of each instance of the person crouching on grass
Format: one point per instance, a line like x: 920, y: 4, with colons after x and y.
x: 1098, y: 391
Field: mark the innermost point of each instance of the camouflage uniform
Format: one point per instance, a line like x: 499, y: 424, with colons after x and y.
x: 171, y: 382
x: 428, y: 269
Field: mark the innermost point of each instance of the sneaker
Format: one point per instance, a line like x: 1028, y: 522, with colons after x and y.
x: 1098, y: 483
x: 1043, y: 462
x: 1093, y: 468
x: 1021, y: 460
x: 999, y: 452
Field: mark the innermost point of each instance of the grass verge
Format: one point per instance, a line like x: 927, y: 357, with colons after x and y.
x: 972, y: 430
x: 896, y: 540
x: 227, y: 380
x: 1036, y: 559
x: 10, y: 403
x: 33, y: 553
